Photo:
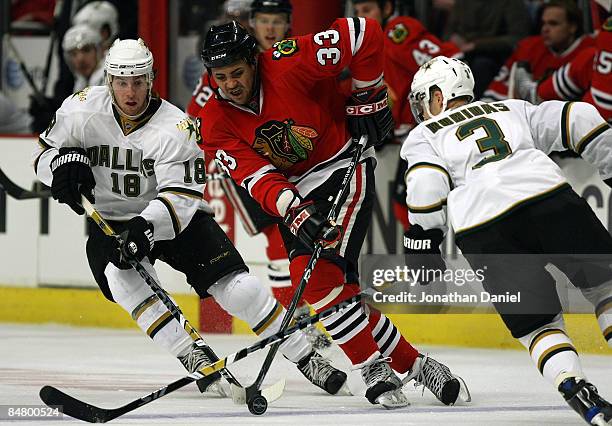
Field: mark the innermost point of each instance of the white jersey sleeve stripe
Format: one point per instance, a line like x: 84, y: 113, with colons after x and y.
x: 591, y: 136
x: 176, y: 224
x: 565, y: 126
x: 183, y: 191
x: 431, y: 166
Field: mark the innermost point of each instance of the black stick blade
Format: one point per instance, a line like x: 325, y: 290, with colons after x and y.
x: 73, y: 407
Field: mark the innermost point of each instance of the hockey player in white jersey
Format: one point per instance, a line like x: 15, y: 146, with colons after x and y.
x: 140, y: 155
x: 484, y: 164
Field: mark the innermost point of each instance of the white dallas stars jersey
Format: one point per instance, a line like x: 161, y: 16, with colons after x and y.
x: 485, y: 159
x: 150, y: 167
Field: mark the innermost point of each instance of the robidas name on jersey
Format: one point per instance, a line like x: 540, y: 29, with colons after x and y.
x: 464, y: 113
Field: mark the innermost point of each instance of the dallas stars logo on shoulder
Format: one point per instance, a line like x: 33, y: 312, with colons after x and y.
x: 398, y: 33
x: 187, y: 125
x: 82, y: 95
x: 284, y: 48
x: 607, y: 26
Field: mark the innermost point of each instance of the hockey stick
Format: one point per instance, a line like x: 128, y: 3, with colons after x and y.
x: 217, y: 176
x: 256, y: 402
x: 19, y: 193
x: 238, y: 392
x: 90, y: 413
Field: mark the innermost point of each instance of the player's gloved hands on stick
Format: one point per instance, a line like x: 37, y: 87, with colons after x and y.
x: 72, y: 177
x: 368, y: 113
x: 422, y: 248
x: 137, y: 239
x: 311, y: 227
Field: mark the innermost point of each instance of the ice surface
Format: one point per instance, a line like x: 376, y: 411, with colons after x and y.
x: 109, y: 368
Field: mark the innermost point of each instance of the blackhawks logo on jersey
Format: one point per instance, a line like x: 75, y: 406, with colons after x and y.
x: 398, y: 33
x: 284, y: 48
x: 283, y: 143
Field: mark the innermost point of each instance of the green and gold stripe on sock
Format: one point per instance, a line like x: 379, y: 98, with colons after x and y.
x: 269, y: 319
x: 158, y: 324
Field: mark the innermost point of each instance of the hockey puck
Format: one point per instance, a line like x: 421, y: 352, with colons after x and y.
x: 258, y: 405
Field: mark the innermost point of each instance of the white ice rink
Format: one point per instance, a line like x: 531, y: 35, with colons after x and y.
x: 109, y: 368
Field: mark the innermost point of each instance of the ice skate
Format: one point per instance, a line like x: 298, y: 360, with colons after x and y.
x: 582, y: 396
x: 196, y: 359
x: 321, y: 373
x: 384, y: 387
x: 438, y: 378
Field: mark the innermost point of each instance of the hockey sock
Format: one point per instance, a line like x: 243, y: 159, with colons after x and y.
x: 603, y: 312
x: 243, y: 296
x: 349, y: 328
x: 552, y: 350
x: 601, y: 298
x: 391, y: 343
x: 136, y: 297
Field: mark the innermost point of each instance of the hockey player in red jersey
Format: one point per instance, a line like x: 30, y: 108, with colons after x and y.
x: 588, y: 77
x: 408, y: 45
x: 558, y: 43
x: 270, y: 21
x: 278, y: 125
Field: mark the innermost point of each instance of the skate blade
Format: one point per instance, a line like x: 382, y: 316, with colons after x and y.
x: 464, y: 392
x: 219, y: 389
x: 599, y: 420
x: 344, y: 390
x: 271, y: 393
x: 392, y: 400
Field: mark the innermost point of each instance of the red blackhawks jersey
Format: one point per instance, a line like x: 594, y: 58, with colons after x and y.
x: 408, y: 45
x: 542, y: 62
x: 299, y: 136
x: 588, y: 77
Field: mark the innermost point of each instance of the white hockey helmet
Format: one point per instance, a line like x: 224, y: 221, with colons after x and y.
x: 451, y: 76
x: 79, y: 36
x: 96, y: 14
x: 129, y: 58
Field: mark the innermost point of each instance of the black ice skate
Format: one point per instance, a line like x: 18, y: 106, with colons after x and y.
x: 438, y: 378
x: 582, y: 396
x: 196, y: 359
x: 321, y: 373
x: 384, y: 387
x: 317, y: 338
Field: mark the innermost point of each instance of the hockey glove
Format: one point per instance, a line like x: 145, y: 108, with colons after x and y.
x: 137, y: 239
x: 422, y: 248
x: 368, y: 113
x: 305, y: 222
x: 72, y: 177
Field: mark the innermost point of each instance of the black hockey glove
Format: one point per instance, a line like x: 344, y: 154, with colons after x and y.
x: 72, y: 177
x: 422, y: 248
x: 305, y: 222
x: 368, y: 113
x: 137, y: 239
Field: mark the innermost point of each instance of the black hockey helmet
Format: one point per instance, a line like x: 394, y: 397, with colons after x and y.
x: 227, y: 43
x: 271, y: 6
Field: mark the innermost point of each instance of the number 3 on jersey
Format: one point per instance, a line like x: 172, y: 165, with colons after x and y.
x: 225, y: 161
x: 326, y: 54
x: 493, y: 141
